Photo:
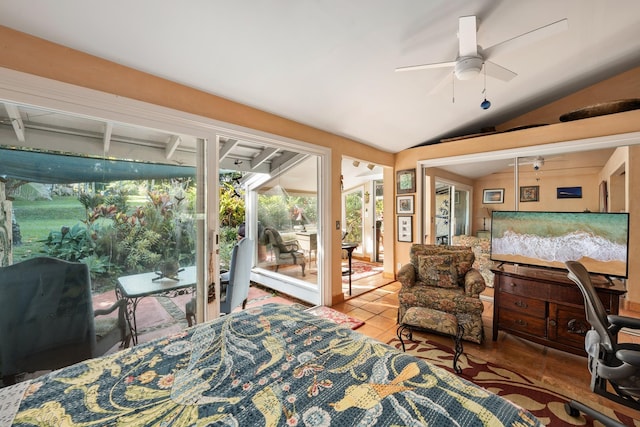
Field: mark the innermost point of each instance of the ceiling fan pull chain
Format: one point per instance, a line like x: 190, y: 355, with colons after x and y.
x: 485, y: 104
x: 453, y: 88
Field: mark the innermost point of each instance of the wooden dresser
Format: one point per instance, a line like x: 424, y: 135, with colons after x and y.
x: 545, y: 306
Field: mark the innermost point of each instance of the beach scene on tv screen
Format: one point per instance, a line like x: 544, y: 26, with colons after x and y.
x: 597, y: 240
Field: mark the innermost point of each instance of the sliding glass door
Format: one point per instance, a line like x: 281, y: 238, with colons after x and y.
x: 452, y: 211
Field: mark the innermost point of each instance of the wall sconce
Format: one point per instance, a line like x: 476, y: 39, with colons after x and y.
x: 371, y: 166
x: 356, y: 163
x: 366, y: 197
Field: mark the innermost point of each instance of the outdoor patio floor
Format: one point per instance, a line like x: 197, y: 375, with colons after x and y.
x: 158, y: 316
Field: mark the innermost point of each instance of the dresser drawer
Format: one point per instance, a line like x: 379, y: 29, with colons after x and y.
x: 567, y: 325
x: 524, y: 305
x: 517, y: 321
x: 524, y: 287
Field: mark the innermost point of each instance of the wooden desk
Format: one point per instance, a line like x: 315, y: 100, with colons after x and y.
x: 137, y: 286
x: 308, y: 242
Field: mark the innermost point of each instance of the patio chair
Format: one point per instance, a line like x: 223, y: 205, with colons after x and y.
x: 234, y: 284
x: 47, y: 317
x: 285, y: 253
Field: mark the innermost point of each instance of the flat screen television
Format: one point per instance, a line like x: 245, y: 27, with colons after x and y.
x: 548, y: 239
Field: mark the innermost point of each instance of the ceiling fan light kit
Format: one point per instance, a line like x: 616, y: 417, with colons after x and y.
x: 469, y: 67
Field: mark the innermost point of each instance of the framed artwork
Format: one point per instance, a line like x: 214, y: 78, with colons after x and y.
x: 530, y: 193
x: 404, y: 204
x: 569, y: 192
x: 493, y: 195
x: 405, y: 229
x: 406, y: 181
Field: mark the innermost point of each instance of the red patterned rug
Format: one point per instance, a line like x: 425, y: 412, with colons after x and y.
x: 360, y: 270
x: 335, y: 316
x: 546, y: 404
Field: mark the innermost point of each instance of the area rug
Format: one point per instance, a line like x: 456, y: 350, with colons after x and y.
x: 360, y: 270
x: 335, y: 316
x: 546, y: 404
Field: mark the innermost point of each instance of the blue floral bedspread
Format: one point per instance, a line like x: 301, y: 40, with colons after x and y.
x: 270, y: 365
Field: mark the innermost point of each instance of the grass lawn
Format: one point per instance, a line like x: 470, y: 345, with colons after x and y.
x: 38, y: 218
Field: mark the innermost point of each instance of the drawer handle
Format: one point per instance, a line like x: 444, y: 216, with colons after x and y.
x: 513, y: 285
x: 521, y: 304
x: 521, y: 322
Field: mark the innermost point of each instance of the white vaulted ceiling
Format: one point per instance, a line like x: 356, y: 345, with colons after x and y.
x: 330, y: 63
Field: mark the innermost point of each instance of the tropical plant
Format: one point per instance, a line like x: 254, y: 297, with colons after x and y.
x: 70, y: 243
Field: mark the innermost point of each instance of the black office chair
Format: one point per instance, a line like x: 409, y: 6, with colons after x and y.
x: 47, y: 317
x: 574, y: 408
x: 610, y: 363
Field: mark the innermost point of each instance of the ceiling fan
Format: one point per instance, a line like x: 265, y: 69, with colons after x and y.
x: 537, y: 162
x: 471, y: 57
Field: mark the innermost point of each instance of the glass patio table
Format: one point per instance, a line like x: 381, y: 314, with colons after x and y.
x: 137, y: 286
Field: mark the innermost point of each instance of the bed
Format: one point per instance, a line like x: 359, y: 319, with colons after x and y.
x: 268, y: 365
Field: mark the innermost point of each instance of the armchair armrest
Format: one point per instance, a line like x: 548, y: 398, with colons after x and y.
x: 291, y: 245
x: 123, y: 324
x: 104, y: 311
x: 407, y: 275
x: 474, y: 283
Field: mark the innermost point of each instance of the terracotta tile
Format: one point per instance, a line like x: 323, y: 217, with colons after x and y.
x: 356, y: 302
x: 382, y: 323
x: 390, y: 313
x: 375, y: 307
x: 360, y: 314
x: 369, y: 297
x: 391, y: 299
x: 371, y: 330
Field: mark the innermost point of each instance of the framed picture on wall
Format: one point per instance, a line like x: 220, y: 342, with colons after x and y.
x: 569, y: 192
x: 493, y: 195
x: 404, y: 204
x: 530, y: 193
x: 406, y: 181
x: 405, y: 229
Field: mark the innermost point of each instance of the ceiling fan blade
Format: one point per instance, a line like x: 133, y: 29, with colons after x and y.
x: 467, y: 43
x: 448, y: 79
x: 426, y: 66
x: 496, y: 71
x: 527, y: 38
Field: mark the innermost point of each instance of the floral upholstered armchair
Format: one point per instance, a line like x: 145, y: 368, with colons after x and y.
x: 440, y: 277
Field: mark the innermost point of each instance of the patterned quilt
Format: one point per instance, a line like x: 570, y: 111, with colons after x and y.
x: 270, y: 365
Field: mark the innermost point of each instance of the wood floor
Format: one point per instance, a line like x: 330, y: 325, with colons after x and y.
x: 565, y: 372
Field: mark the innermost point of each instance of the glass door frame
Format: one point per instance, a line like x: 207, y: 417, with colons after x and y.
x: 27, y: 89
x: 320, y: 292
x: 453, y: 187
